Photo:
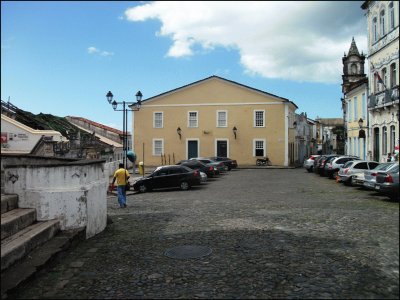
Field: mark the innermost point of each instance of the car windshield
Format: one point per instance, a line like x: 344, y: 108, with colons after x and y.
x: 348, y: 164
x: 383, y: 167
x: 395, y: 169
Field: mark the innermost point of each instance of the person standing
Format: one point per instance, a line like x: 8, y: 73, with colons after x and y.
x: 121, y: 176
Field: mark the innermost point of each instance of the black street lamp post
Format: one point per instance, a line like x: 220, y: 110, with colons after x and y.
x: 124, y: 110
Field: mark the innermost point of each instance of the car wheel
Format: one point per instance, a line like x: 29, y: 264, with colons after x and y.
x: 184, y: 186
x: 142, y: 188
x: 310, y: 170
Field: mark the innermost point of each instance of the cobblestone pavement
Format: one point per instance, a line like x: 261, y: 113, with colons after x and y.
x: 273, y: 234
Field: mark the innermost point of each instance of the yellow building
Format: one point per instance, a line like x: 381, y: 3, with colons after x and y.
x: 354, y: 103
x: 214, y: 117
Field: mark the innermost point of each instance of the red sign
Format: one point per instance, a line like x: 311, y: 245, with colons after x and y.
x: 4, y: 137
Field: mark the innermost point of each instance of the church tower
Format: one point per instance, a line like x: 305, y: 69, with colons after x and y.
x: 353, y: 68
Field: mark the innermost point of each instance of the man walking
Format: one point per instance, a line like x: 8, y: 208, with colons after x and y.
x: 122, y: 176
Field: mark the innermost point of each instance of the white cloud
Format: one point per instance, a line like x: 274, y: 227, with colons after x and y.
x: 94, y: 50
x: 301, y: 41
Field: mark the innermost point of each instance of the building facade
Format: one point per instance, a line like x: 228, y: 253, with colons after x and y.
x: 354, y: 103
x: 215, y: 117
x: 329, y: 131
x: 383, y: 57
x: 17, y: 138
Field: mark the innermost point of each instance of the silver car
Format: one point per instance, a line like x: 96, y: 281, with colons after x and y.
x: 309, y: 163
x: 350, y: 168
x: 334, y: 165
x: 370, y: 175
x: 387, y: 182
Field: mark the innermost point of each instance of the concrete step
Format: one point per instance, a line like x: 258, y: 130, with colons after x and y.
x: 8, y: 202
x: 20, y: 244
x: 39, y: 260
x: 16, y: 220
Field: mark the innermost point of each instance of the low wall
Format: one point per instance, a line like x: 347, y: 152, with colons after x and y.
x: 73, y: 192
x: 111, y: 167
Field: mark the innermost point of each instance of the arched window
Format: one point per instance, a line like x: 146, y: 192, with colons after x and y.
x: 375, y: 29
x: 391, y: 16
x: 384, y: 140
x: 376, y: 84
x: 382, y: 22
x: 393, y: 74
x: 384, y: 76
x: 354, y: 69
x: 392, y: 137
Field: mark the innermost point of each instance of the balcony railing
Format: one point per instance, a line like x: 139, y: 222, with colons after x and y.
x: 384, y: 98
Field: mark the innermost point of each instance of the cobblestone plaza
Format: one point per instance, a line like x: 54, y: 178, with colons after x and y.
x: 270, y: 234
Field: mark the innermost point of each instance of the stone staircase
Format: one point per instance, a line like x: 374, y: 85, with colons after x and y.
x: 28, y: 245
x: 20, y: 232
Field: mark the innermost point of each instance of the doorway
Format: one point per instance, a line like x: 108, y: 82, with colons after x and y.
x: 376, y: 144
x: 222, y: 148
x: 192, y: 148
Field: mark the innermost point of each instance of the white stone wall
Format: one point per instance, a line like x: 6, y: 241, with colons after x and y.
x: 76, y: 194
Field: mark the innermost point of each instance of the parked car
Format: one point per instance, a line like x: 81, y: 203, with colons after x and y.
x: 209, y: 169
x: 168, y: 177
x: 358, y: 179
x: 350, y: 168
x: 203, y: 177
x: 230, y: 163
x: 325, y: 168
x: 322, y: 161
x: 317, y: 161
x: 218, y: 164
x: 309, y: 163
x: 388, y: 182
x: 333, y: 167
x: 370, y: 175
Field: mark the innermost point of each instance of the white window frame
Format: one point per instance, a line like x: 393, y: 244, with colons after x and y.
x: 264, y: 146
x: 393, y: 74
x: 355, y: 108
x: 255, y: 119
x: 384, y: 76
x: 382, y: 17
x: 375, y: 29
x: 391, y: 16
x: 226, y: 118
x: 154, y: 146
x: 197, y: 119
x: 154, y: 119
x: 384, y: 140
x: 392, y: 141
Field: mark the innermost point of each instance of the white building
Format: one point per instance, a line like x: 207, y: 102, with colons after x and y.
x: 383, y: 56
x: 17, y: 138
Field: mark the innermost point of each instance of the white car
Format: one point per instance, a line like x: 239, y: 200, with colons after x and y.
x: 309, y: 163
x: 349, y: 169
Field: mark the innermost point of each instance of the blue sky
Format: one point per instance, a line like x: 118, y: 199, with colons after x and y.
x: 62, y: 57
